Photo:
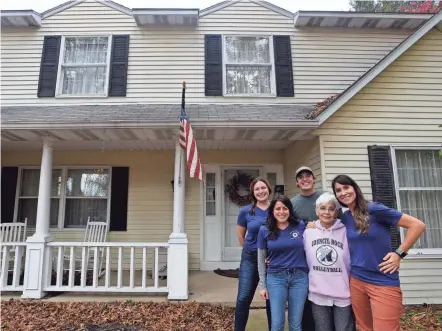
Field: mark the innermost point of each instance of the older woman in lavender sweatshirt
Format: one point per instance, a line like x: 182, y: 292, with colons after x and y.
x: 328, y: 259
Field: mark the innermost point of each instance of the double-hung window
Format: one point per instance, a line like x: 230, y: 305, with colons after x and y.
x: 87, y: 192
x: 418, y: 174
x: 27, y: 196
x: 77, y: 194
x: 84, y: 65
x: 248, y: 66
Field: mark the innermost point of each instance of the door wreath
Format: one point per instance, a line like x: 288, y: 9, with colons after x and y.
x: 237, y: 189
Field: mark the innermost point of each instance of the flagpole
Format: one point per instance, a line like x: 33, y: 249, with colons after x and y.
x: 183, y: 104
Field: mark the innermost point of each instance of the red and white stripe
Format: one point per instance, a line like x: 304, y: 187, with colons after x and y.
x: 188, y: 143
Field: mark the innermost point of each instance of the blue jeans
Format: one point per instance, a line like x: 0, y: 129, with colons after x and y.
x: 248, y: 281
x: 289, y: 285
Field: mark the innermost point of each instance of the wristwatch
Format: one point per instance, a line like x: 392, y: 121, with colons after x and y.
x: 401, y: 253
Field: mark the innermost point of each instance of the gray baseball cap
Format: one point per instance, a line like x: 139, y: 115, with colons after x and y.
x: 304, y: 168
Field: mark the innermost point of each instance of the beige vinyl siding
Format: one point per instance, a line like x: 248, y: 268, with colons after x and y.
x: 400, y: 106
x: 301, y: 153
x: 325, y: 61
x: 421, y: 281
x: 150, y: 204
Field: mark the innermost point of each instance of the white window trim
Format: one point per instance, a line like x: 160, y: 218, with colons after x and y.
x: 59, y: 86
x: 272, y: 94
x: 62, y: 198
x: 413, y: 252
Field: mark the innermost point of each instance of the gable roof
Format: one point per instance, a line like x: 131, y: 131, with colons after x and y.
x: 72, y: 3
x: 371, y: 74
x: 261, y: 3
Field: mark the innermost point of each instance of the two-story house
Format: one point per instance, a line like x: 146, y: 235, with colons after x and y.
x: 91, y: 95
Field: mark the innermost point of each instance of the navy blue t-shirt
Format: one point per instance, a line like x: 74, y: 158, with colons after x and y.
x: 287, y: 250
x: 252, y: 223
x: 367, y: 250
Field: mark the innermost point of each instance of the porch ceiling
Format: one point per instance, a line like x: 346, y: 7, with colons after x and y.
x: 150, y: 138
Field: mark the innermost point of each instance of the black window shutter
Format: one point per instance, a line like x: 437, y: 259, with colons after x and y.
x: 119, y: 198
x: 118, y: 66
x: 213, y: 70
x: 382, y: 183
x: 283, y: 66
x: 49, y: 66
x: 8, y: 190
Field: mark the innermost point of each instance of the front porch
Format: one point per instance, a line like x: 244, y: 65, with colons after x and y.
x: 159, y: 230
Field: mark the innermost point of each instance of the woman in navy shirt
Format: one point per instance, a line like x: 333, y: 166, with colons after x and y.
x: 375, y: 293
x: 250, y: 219
x: 287, y: 274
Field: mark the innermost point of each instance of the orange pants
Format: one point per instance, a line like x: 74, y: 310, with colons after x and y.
x: 376, y: 308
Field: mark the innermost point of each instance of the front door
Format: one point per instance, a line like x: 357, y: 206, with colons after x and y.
x: 232, y: 248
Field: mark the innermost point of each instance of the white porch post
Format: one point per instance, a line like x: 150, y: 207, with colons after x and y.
x: 38, y: 260
x: 177, y: 258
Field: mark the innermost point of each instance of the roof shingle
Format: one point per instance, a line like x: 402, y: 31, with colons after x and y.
x: 158, y: 113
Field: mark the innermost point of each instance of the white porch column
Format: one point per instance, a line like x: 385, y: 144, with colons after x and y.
x: 38, y: 259
x: 179, y: 190
x: 177, y: 257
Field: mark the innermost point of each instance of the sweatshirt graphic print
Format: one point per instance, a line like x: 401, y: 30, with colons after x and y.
x: 328, y: 259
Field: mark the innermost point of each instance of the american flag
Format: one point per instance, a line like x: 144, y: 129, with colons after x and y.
x: 188, y: 143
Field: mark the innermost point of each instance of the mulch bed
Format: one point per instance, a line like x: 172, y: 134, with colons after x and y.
x: 30, y: 315
x: 27, y: 315
x: 420, y: 318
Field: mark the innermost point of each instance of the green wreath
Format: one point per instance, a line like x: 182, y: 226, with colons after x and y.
x: 238, y: 184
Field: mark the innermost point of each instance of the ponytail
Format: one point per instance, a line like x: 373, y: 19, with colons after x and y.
x: 252, y: 209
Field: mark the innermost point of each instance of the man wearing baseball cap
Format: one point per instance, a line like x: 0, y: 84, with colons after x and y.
x: 304, y: 202
x: 304, y: 208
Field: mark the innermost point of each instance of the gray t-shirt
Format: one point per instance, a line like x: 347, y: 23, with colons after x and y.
x: 304, y: 206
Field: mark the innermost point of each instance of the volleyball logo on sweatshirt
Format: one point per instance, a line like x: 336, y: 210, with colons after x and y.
x: 326, y: 255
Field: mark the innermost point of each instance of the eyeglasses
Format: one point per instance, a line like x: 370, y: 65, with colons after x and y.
x: 330, y: 210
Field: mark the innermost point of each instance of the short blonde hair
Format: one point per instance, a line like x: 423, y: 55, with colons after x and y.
x: 326, y: 198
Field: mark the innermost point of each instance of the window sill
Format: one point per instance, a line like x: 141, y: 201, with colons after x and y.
x: 79, y: 96
x: 437, y: 254
x: 249, y: 95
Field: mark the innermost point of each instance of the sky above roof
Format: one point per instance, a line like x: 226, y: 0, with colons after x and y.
x: 291, y: 5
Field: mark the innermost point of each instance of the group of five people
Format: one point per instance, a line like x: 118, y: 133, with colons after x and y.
x: 326, y: 266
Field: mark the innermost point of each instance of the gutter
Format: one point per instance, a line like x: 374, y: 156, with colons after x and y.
x: 313, y: 124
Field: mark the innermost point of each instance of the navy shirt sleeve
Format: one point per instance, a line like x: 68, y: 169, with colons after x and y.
x: 301, y: 227
x: 384, y: 215
x: 262, y: 235
x: 344, y: 217
x: 242, y: 217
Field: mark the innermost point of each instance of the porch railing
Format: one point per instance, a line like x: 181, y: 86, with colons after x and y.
x: 106, y: 267
x: 12, y: 266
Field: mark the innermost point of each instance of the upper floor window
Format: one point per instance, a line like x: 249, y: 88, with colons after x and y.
x: 84, y: 64
x: 249, y: 66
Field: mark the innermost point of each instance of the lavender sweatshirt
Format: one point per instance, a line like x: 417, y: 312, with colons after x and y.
x: 328, y: 259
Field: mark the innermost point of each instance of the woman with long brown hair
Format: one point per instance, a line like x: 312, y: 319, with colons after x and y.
x: 285, y: 281
x: 375, y: 290
x: 250, y: 219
